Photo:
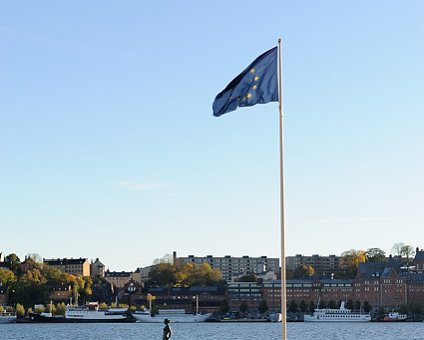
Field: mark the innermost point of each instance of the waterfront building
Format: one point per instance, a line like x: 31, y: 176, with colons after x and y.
x: 209, y: 298
x: 249, y: 292
x: 231, y: 266
x: 97, y: 268
x: 119, y: 279
x: 271, y: 293
x: 418, y: 262
x: 308, y: 290
x: 415, y: 283
x: 137, y: 276
x: 72, y: 266
x: 322, y: 264
x: 334, y: 290
x: 60, y: 293
x: 382, y: 284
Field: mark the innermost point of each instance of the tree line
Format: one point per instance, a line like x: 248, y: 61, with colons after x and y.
x: 351, y: 259
x: 30, y: 283
x: 189, y: 274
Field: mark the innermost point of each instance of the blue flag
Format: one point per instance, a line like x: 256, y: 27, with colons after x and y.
x: 257, y: 84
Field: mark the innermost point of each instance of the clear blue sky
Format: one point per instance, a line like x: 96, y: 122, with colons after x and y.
x: 108, y: 146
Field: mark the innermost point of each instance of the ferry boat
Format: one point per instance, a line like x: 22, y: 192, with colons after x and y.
x: 89, y: 313
x: 175, y: 315
x: 336, y: 315
x: 394, y: 317
x: 7, y: 317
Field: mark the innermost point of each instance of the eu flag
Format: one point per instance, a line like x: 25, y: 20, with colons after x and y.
x: 257, y: 84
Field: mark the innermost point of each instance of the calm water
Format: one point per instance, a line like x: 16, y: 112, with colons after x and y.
x: 214, y: 331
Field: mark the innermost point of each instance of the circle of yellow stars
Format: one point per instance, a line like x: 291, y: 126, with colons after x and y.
x: 254, y: 86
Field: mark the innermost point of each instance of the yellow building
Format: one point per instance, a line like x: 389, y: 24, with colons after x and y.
x: 72, y: 266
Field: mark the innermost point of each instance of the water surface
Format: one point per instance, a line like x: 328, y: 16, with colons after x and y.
x: 216, y: 331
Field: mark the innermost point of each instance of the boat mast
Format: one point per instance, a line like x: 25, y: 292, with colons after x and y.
x: 197, y: 304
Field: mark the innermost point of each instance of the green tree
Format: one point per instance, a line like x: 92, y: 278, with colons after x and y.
x: 167, y: 258
x: 40, y: 309
x: 263, y: 307
x: 191, y: 274
x: 322, y: 304
x: 51, y: 308
x: 349, y: 304
x: 30, y: 289
x: 358, y: 305
x: 397, y: 248
x: 7, y: 277
x: 303, y: 306
x: 244, y: 307
x: 305, y: 270
x: 351, y: 259
x: 404, y: 309
x: 380, y: 312
x: 293, y: 307
x: 367, y: 307
x: 375, y: 255
x: 20, y: 310
x: 417, y: 310
x: 35, y: 257
x: 162, y: 274
x: 198, y: 275
x: 60, y: 308
x: 224, y: 307
x: 312, y: 306
x: 86, y: 290
x: 81, y: 286
x: 12, y: 261
x: 31, y: 263
x: 54, y: 276
x: 407, y: 251
x: 251, y: 277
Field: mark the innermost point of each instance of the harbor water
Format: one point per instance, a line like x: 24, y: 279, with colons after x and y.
x: 216, y: 331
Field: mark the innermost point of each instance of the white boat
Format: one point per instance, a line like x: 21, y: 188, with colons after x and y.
x: 275, y: 317
x: 92, y: 313
x: 336, y: 315
x: 394, y: 316
x: 88, y: 313
x: 7, y: 317
x: 175, y: 315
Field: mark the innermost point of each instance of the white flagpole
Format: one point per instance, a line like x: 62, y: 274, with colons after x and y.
x: 283, y: 231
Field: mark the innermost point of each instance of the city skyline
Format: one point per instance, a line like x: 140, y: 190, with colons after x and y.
x: 109, y: 148
x: 184, y: 257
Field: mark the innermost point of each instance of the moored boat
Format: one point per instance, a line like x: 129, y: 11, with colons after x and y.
x: 7, y: 317
x: 175, y: 315
x: 89, y: 314
x: 394, y: 317
x: 336, y: 315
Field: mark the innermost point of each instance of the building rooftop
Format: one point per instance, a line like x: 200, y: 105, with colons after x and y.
x: 64, y: 261
x: 419, y: 255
